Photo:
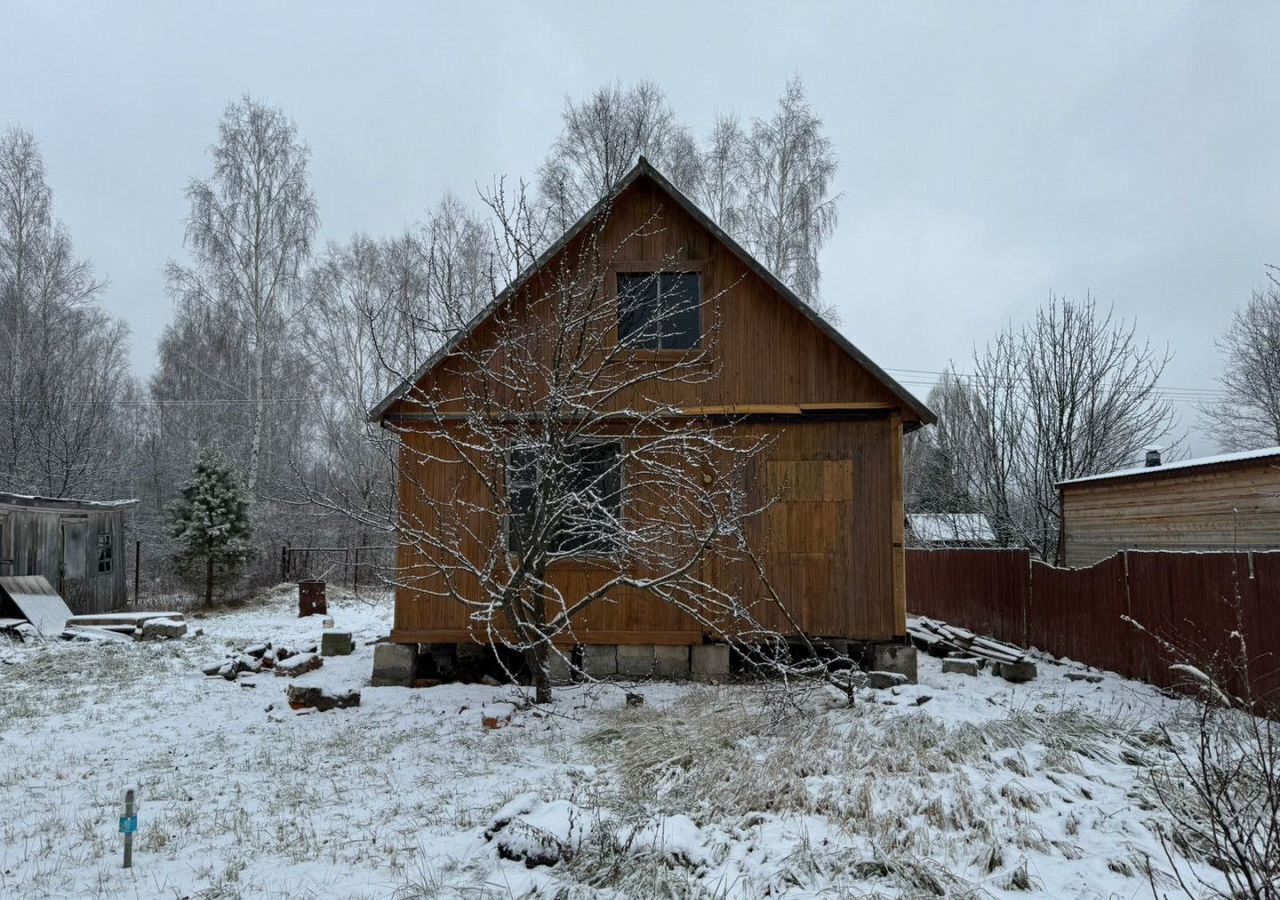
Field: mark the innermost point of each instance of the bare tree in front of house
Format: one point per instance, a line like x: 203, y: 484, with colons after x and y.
x: 249, y: 232
x: 572, y: 481
x: 1073, y: 392
x: 1248, y: 416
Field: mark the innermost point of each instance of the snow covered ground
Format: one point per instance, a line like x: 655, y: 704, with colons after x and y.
x: 742, y: 791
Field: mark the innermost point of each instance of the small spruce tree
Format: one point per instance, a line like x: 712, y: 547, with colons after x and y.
x: 211, y: 525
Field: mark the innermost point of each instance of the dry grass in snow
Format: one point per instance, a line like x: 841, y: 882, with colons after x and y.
x: 985, y: 789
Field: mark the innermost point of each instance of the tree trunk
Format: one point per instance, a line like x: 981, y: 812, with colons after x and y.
x: 259, y: 418
x: 536, y: 657
x: 208, y: 582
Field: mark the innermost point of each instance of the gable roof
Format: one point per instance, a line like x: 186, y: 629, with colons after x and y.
x: 643, y: 168
x: 1200, y: 462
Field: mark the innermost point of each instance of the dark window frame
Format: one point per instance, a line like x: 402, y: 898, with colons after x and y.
x: 606, y: 545
x: 106, y: 542
x: 658, y: 275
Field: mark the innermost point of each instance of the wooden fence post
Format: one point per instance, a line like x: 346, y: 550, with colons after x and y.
x: 284, y: 562
x: 137, y: 568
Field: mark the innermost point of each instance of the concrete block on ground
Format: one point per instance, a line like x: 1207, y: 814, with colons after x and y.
x: 961, y: 665
x: 709, y: 662
x: 163, y: 629
x: 1090, y: 677
x: 671, y: 661
x: 336, y: 643
x: 394, y: 665
x: 636, y: 660
x: 560, y: 666
x: 600, y: 660
x: 1017, y: 672
x: 879, y: 681
x: 894, y: 657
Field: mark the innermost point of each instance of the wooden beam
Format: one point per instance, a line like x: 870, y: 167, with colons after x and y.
x: 743, y: 410
x: 846, y: 406
x: 898, y: 529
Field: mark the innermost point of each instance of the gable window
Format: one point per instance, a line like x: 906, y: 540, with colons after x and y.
x: 104, y: 553
x: 589, y: 497
x: 660, y: 310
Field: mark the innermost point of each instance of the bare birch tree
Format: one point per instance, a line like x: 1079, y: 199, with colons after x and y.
x: 1071, y: 393
x: 600, y: 139
x: 789, y: 211
x: 250, y: 231
x: 768, y: 185
x: 1249, y: 416
x: 63, y: 359
x: 934, y: 478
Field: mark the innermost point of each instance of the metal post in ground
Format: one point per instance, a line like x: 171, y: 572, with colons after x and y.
x: 128, y: 825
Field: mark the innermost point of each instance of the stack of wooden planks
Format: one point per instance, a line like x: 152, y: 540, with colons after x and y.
x: 940, y: 639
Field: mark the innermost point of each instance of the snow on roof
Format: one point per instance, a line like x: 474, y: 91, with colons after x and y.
x: 945, y: 528
x: 32, y: 500
x: 1240, y: 456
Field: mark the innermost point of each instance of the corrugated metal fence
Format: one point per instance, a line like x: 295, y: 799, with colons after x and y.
x: 1191, y: 600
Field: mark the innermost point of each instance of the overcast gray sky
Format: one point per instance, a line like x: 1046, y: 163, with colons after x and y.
x: 989, y: 153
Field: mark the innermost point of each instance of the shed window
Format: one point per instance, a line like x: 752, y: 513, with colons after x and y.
x: 660, y: 310
x: 592, y: 483
x: 104, y: 552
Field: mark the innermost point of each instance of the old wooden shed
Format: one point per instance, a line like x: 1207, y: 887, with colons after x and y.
x: 1225, y: 502
x: 78, y: 545
x: 833, y: 542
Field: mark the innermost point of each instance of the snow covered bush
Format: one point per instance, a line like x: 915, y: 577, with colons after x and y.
x: 211, y: 525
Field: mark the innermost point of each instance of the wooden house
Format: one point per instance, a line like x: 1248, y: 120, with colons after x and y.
x: 1225, y: 502
x: 833, y: 543
x: 77, y: 545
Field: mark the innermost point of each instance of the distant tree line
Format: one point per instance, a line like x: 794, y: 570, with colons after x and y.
x: 279, y: 345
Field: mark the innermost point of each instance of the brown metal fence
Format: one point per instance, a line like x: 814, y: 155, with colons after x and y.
x: 1194, y: 601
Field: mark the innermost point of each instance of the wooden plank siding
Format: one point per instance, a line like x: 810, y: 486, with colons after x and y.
x: 832, y: 545
x: 826, y: 545
x: 767, y: 353
x: 1225, y: 507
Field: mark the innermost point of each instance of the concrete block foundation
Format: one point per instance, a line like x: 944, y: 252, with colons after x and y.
x: 600, y: 661
x: 671, y: 661
x: 636, y: 660
x: 709, y: 662
x: 900, y: 658
x: 560, y: 667
x: 394, y: 665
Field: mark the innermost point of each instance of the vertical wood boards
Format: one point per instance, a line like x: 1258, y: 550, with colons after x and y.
x: 826, y: 544
x: 1228, y: 507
